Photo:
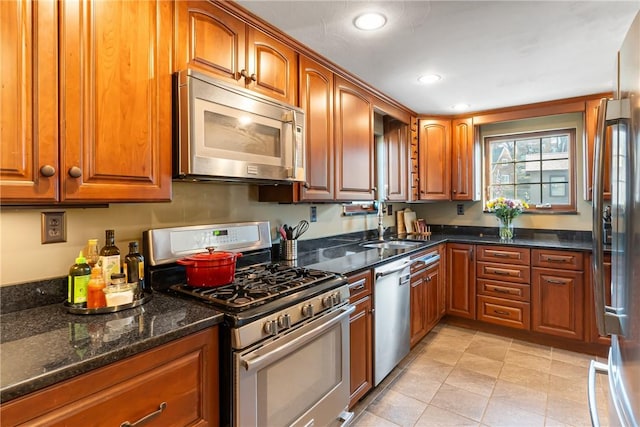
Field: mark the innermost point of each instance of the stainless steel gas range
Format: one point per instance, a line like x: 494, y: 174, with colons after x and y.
x: 284, y: 346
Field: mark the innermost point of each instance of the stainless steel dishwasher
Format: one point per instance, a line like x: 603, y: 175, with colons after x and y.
x: 391, y: 316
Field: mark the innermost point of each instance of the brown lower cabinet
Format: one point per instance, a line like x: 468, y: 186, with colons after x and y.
x: 426, y: 298
x: 461, y: 280
x: 361, y: 336
x: 182, y: 374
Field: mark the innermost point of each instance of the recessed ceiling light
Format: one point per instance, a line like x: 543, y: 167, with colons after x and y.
x: 461, y: 107
x: 370, y: 21
x: 429, y: 78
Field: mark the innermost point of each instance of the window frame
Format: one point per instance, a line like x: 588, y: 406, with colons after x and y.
x: 572, y: 206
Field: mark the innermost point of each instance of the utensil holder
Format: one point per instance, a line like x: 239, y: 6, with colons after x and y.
x: 289, y: 250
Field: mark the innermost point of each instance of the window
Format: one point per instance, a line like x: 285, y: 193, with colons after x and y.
x: 538, y: 168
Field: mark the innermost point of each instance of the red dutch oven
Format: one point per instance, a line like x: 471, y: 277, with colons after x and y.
x: 210, y: 269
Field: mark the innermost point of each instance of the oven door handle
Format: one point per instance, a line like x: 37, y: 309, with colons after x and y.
x: 281, y: 350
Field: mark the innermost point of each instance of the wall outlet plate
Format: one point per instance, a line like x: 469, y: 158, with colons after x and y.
x: 460, y: 209
x: 54, y: 227
x: 313, y: 214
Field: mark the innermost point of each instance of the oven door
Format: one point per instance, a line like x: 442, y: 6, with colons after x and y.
x: 298, y: 379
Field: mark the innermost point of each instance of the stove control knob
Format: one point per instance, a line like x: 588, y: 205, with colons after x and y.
x: 271, y: 327
x: 307, y: 310
x: 337, y: 298
x: 284, y: 321
x: 327, y: 301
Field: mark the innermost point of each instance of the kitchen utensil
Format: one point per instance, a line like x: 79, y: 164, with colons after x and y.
x: 283, y: 233
x: 300, y: 229
x: 210, y: 269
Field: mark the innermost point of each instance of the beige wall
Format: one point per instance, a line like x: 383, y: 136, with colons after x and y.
x: 23, y: 258
x: 445, y: 213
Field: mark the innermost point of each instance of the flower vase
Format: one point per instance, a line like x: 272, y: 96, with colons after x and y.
x: 506, y: 229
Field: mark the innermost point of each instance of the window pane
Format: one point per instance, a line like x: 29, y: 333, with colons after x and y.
x: 529, y: 193
x: 528, y: 149
x: 527, y: 172
x: 501, y: 191
x: 502, y: 173
x: 556, y: 193
x: 501, y: 151
x: 555, y: 147
x: 555, y: 168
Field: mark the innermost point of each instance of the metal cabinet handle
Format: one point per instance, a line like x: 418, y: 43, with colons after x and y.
x: 47, y: 171
x: 556, y: 282
x: 504, y: 313
x: 356, y: 286
x: 557, y: 259
x: 75, y: 172
x: 502, y: 291
x: 594, y: 368
x: 146, y: 418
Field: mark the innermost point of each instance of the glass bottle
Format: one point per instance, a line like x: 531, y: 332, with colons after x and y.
x: 95, y: 293
x: 79, y: 275
x: 92, y: 252
x: 109, y: 256
x: 134, y: 263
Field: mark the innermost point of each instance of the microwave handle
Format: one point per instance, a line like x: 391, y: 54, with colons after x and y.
x: 292, y: 175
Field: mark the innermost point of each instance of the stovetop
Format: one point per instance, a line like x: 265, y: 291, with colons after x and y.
x: 257, y: 285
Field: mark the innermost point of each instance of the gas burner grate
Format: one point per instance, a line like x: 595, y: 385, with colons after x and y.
x: 256, y: 285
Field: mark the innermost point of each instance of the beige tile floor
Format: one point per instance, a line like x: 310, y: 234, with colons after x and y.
x: 462, y: 377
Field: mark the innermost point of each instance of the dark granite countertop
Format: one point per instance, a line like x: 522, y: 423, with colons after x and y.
x: 44, y: 345
x: 347, y: 256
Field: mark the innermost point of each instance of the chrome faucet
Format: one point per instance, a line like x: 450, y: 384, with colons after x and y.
x: 381, y: 227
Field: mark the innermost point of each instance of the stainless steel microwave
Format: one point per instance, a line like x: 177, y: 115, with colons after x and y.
x: 229, y: 133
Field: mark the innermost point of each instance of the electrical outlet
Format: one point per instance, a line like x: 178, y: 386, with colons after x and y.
x: 54, y: 227
x: 389, y: 210
x: 313, y: 214
x: 460, y: 209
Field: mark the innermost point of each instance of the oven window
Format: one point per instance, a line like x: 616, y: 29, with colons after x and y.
x: 247, y: 134
x: 290, y: 386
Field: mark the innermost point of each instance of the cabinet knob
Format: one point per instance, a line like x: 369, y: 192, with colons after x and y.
x: 75, y: 172
x: 247, y: 77
x: 254, y: 77
x: 47, y: 171
x: 306, y: 185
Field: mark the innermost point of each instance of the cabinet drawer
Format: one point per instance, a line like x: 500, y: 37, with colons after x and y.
x: 558, y: 259
x: 504, y: 254
x: 507, y: 273
x: 514, y: 314
x: 359, y: 285
x: 511, y: 291
x: 418, y: 266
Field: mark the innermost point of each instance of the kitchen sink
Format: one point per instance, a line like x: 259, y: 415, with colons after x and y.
x: 393, y: 244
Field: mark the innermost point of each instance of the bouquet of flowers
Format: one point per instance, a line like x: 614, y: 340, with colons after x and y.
x: 506, y: 209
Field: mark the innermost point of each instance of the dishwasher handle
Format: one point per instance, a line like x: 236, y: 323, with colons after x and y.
x: 380, y: 274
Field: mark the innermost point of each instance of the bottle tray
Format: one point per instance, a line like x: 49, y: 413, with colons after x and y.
x: 74, y: 309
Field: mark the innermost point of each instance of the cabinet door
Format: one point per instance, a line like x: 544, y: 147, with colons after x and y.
x: 354, y: 155
x: 461, y: 280
x: 462, y: 159
x: 590, y: 123
x: 418, y: 308
x: 434, y: 164
x: 29, y: 170
x: 209, y: 39
x: 432, y: 296
x: 396, y: 142
x: 316, y: 99
x: 361, y: 350
x: 115, y: 62
x: 272, y: 67
x: 558, y: 302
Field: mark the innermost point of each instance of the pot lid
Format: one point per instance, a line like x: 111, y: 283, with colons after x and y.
x: 213, y: 255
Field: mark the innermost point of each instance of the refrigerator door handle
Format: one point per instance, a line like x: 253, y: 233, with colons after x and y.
x: 607, y: 320
x: 595, y: 368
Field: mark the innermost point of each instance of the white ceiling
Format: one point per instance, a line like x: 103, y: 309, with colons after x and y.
x: 490, y: 54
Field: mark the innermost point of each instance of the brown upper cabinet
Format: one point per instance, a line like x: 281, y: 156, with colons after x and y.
x: 590, y: 124
x: 354, y: 153
x: 446, y: 159
x: 434, y: 159
x: 212, y: 40
x: 110, y: 138
x: 396, y: 151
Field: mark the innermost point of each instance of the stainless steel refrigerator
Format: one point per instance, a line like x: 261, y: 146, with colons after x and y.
x: 620, y: 319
